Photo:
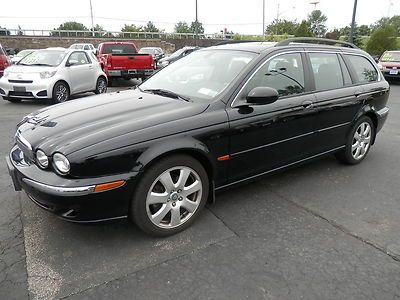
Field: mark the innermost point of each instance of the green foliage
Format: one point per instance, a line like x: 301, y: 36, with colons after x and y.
x: 196, y: 25
x: 364, y: 30
x: 282, y: 27
x: 303, y: 30
x: 382, y: 39
x: 150, y: 27
x: 317, y: 23
x: 182, y: 27
x: 333, y: 35
x: 71, y: 25
x: 132, y: 28
x: 393, y: 21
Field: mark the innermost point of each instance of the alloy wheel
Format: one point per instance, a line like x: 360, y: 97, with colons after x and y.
x: 101, y: 86
x: 174, y: 197
x: 61, y: 93
x: 361, y: 141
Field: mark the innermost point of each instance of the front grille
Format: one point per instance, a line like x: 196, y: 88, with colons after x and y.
x: 20, y: 94
x: 25, y: 147
x: 19, y: 81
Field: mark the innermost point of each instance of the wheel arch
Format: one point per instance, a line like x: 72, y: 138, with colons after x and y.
x: 188, y: 146
x: 63, y: 81
x: 370, y: 112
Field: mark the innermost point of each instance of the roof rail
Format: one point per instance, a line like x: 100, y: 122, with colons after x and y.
x: 308, y: 40
x: 227, y: 42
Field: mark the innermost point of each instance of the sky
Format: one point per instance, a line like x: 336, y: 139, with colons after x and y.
x: 243, y: 17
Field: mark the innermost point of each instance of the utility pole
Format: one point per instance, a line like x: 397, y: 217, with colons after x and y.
x: 91, y: 15
x: 353, y: 22
x: 263, y: 32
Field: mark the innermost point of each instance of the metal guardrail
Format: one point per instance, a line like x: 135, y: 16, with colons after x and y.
x: 108, y: 34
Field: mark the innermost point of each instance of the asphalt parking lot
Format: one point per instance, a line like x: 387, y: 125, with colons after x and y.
x: 320, y: 231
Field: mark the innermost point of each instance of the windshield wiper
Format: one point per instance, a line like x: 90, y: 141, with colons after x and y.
x: 43, y: 65
x: 167, y: 93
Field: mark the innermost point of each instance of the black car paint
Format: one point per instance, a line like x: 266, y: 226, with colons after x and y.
x: 113, y: 137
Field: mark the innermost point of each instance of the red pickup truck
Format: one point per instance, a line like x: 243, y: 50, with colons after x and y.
x: 121, y: 59
x: 4, y: 61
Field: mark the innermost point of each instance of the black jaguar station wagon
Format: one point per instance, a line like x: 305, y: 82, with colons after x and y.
x: 220, y: 116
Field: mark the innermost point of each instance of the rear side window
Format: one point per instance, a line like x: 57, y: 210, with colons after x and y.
x: 363, y: 68
x: 327, y: 71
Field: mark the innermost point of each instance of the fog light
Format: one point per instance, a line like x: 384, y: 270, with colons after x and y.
x: 42, y: 159
x: 61, y: 163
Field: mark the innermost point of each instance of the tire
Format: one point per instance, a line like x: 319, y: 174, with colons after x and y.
x: 101, y: 86
x: 172, y: 207
x: 12, y: 100
x: 358, y: 142
x: 60, y: 92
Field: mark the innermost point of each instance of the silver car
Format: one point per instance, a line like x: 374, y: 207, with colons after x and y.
x: 54, y: 74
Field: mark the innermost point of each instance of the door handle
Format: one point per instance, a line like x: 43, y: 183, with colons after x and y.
x: 307, y: 104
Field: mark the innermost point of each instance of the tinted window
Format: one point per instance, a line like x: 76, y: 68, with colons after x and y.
x: 78, y: 58
x: 119, y: 49
x: 87, y: 47
x: 283, y: 73
x: 327, y: 71
x: 365, y: 71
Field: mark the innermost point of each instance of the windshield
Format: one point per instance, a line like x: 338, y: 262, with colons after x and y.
x: 76, y: 46
x: 391, y: 56
x: 147, y: 51
x: 177, y: 52
x: 24, y: 52
x: 201, y: 76
x: 50, y: 58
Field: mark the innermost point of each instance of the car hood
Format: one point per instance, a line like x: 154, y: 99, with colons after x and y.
x: 390, y: 64
x: 78, y: 124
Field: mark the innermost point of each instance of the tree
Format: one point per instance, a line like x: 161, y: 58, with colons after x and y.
x: 382, y: 39
x: 71, y: 25
x: 150, y: 27
x: 317, y: 22
x: 131, y: 28
x: 333, y: 35
x: 280, y: 27
x: 182, y: 27
x: 364, y: 30
x: 303, y: 30
x: 197, y: 25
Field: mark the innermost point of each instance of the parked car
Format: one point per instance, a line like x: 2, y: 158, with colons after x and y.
x: 122, y: 60
x: 54, y: 74
x: 17, y: 57
x: 389, y: 63
x: 156, y: 52
x: 221, y: 116
x: 4, y: 60
x: 86, y: 47
x: 176, y: 56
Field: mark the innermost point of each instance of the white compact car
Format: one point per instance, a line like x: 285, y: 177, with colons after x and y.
x: 54, y: 74
x: 86, y: 47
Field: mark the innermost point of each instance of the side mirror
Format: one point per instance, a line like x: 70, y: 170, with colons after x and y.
x: 262, y: 96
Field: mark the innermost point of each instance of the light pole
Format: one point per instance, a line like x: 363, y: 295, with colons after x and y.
x: 353, y: 22
x: 263, y: 32
x: 91, y: 15
x: 196, y: 29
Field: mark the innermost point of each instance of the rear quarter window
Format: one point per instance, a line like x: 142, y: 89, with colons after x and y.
x: 364, y: 70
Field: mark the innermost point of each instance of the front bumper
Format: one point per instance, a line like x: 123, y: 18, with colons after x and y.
x: 26, y: 89
x: 391, y: 73
x: 133, y: 73
x: 70, y: 199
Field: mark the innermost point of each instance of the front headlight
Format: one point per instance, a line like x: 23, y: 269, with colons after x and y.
x: 61, y: 163
x: 42, y: 159
x: 47, y: 74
